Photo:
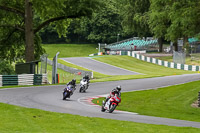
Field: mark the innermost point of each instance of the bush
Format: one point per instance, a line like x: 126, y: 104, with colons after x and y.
x: 6, y: 68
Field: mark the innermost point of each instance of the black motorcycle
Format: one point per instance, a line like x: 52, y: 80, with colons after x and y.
x: 68, y: 91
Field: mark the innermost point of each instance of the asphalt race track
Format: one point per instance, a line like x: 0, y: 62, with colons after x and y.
x: 97, y: 66
x: 49, y: 98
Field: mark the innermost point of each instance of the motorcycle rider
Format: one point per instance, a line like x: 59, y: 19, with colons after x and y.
x: 87, y: 78
x: 114, y: 91
x: 73, y: 82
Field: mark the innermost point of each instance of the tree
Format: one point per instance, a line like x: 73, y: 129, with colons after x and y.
x: 174, y: 19
x: 135, y: 17
x: 103, y: 26
x: 21, y: 20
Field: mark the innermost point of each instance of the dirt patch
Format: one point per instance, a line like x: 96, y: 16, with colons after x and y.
x: 195, y: 104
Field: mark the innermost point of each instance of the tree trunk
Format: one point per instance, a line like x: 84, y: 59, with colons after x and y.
x: 160, y: 43
x: 176, y: 46
x: 185, y: 41
x: 29, y: 32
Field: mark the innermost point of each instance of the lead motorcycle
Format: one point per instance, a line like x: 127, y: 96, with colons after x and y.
x: 83, y: 85
x: 68, y: 91
x: 111, y: 104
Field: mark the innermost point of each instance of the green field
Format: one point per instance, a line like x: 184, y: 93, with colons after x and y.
x: 170, y: 102
x: 16, y: 119
x: 64, y: 77
x: 70, y: 50
x: 193, y: 59
x: 146, y: 69
x: 158, y: 102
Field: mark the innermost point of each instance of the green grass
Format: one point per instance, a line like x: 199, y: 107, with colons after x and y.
x: 70, y: 50
x: 96, y: 74
x: 63, y: 75
x: 147, y: 69
x: 193, y: 60
x: 170, y: 102
x: 25, y: 120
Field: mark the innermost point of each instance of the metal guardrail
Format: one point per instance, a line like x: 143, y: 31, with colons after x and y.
x: 72, y: 70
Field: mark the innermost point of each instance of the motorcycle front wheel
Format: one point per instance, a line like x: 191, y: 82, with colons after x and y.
x: 112, y: 108
x: 64, y: 95
x: 102, y: 107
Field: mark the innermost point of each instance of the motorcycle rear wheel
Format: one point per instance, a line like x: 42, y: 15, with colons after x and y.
x: 81, y: 89
x: 102, y: 109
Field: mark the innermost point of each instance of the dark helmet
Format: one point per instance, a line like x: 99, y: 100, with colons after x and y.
x: 74, y: 80
x: 118, y: 88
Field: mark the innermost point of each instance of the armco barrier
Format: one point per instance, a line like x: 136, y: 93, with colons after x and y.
x: 72, y: 70
x: 23, y: 79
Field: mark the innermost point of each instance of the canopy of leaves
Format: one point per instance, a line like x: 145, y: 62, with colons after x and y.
x: 56, y: 12
x: 135, y: 17
x: 174, y: 19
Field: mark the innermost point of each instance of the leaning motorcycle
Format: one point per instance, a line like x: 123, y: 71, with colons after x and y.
x: 83, y: 85
x: 68, y: 91
x: 111, y: 104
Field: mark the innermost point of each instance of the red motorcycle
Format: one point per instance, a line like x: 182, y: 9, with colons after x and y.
x: 111, y: 104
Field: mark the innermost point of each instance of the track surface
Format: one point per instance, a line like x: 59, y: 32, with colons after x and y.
x: 49, y: 98
x: 97, y: 66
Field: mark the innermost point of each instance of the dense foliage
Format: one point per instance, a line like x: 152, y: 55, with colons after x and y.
x: 106, y: 21
x: 21, y: 20
x: 6, y: 68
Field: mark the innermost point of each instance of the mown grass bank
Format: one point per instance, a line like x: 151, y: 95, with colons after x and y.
x: 70, y: 50
x: 170, y: 102
x: 147, y: 70
x: 25, y: 120
x: 193, y: 59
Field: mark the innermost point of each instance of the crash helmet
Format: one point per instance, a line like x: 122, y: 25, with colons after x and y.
x: 73, y: 80
x: 118, y: 88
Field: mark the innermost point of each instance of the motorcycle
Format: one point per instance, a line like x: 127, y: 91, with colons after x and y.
x: 111, y: 104
x: 68, y: 91
x: 83, y: 85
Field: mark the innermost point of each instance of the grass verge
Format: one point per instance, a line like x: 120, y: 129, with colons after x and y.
x: 193, y: 60
x: 25, y: 120
x: 70, y: 50
x: 170, y: 102
x: 147, y: 70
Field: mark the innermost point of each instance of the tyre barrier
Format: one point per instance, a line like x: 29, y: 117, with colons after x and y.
x: 23, y: 79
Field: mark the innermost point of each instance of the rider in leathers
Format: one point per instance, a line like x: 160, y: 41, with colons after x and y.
x: 73, y: 82
x: 114, y: 91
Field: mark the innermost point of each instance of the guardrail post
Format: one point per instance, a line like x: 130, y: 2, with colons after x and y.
x: 199, y: 100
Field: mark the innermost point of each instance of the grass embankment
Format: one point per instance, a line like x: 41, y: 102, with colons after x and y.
x: 170, y: 102
x: 70, y: 50
x: 146, y: 69
x: 63, y: 75
x: 25, y: 120
x: 193, y: 60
